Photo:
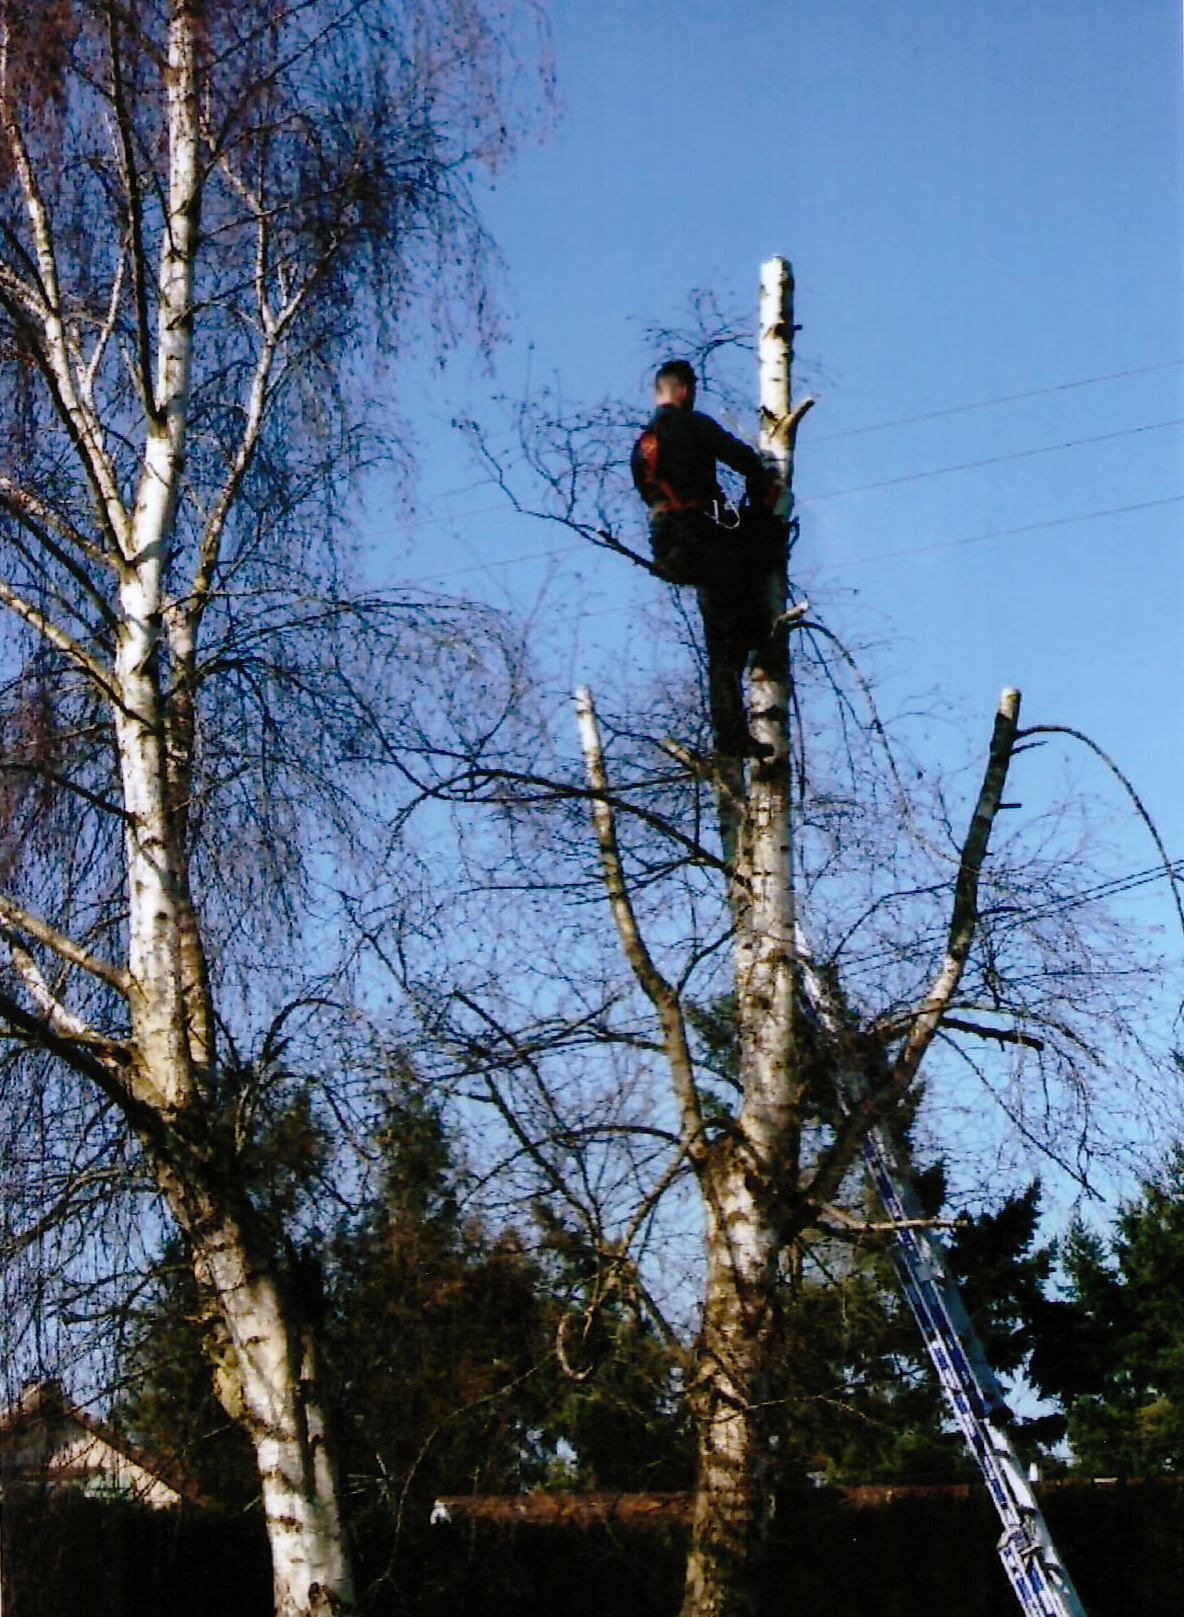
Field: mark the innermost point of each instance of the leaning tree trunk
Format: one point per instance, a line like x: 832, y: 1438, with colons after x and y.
x: 266, y: 1379
x: 265, y: 1372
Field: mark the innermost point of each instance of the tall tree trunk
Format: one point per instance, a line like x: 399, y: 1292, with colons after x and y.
x: 750, y: 1181
x: 265, y: 1372
x: 758, y: 1195
x: 728, y: 1395
x: 266, y: 1369
x: 161, y: 1073
x: 266, y: 1364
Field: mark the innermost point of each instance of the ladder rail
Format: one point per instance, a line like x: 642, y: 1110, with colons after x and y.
x: 1030, y: 1559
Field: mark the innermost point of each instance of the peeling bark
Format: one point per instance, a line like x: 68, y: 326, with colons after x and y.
x: 268, y: 1381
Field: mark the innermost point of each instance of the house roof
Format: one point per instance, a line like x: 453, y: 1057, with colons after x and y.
x: 577, y: 1509
x: 46, y: 1438
x: 541, y: 1509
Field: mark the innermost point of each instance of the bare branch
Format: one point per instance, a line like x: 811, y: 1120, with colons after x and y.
x: 657, y: 990
x: 131, y: 186
x: 106, y: 1068
x: 44, y: 772
x: 54, y: 351
x: 40, y: 517
x: 15, y: 916
x: 964, y: 918
x: 65, y: 1022
x: 58, y: 638
x: 583, y: 1210
x: 1001, y: 1035
x: 893, y: 1027
x: 874, y: 1090
x: 1169, y: 865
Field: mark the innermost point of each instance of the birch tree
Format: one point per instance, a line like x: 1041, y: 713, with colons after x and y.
x: 208, y: 217
x: 865, y: 937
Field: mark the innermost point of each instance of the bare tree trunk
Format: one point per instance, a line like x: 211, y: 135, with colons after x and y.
x: 758, y: 1195
x: 728, y: 1398
x: 747, y: 1174
x: 751, y: 1181
x: 265, y: 1375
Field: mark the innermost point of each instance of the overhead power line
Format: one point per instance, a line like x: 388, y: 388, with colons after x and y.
x: 555, y: 552
x: 1007, y: 533
x: 1114, y: 887
x: 991, y: 404
x: 429, y: 520
x: 996, y: 460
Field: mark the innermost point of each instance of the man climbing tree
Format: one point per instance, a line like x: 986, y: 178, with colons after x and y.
x: 698, y: 538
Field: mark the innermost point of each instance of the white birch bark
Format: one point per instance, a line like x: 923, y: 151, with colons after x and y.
x: 746, y: 1173
x: 267, y: 1380
x: 751, y: 1177
x: 264, y: 1380
x: 267, y: 1376
x: 758, y: 1198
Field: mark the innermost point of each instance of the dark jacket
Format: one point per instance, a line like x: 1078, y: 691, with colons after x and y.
x: 675, y: 458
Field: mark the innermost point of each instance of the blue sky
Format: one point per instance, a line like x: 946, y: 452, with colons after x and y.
x: 984, y: 207
x: 981, y: 201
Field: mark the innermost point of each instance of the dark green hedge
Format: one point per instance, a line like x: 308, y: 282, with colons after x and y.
x: 77, y: 1557
x: 63, y: 1554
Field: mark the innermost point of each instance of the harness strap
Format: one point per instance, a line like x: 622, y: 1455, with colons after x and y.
x: 665, y: 495
x: 664, y: 498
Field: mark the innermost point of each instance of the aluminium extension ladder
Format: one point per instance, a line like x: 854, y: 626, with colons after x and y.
x: 1042, y: 1586
x: 1035, y: 1570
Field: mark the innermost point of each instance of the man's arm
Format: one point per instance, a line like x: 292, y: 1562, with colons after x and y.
x: 741, y: 457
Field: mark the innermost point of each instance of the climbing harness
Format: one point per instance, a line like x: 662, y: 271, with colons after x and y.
x: 718, y: 510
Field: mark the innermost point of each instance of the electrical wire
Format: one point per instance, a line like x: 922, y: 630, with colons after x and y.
x: 1113, y: 887
x: 556, y: 552
x: 995, y: 460
x: 990, y: 404
x: 1007, y: 533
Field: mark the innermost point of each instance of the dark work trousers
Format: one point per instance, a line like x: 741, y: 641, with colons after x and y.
x: 727, y: 568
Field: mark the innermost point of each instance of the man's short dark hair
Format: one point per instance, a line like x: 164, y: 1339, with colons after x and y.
x: 676, y: 370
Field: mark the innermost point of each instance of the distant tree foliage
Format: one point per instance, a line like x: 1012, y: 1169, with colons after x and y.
x: 440, y: 1351
x: 1113, y: 1349
x: 441, y: 1335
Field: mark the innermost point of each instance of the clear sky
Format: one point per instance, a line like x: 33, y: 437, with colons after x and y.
x: 983, y: 202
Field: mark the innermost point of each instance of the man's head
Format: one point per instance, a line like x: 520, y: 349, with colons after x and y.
x: 675, y: 383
